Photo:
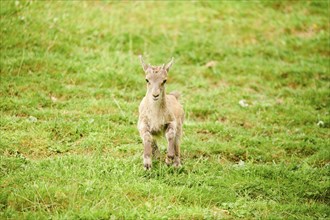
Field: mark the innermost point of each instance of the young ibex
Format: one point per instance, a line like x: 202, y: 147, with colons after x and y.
x: 160, y: 114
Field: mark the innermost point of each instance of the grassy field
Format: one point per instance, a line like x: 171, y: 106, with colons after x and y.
x: 71, y: 84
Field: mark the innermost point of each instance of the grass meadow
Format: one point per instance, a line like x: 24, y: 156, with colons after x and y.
x: 254, y: 78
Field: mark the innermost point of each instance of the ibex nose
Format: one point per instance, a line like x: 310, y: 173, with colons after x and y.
x: 155, y: 96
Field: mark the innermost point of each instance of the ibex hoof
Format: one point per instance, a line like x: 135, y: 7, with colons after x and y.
x: 147, y: 166
x: 147, y: 163
x: 177, y: 163
x: 169, y: 159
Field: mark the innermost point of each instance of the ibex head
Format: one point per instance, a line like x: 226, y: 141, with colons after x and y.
x: 156, y: 77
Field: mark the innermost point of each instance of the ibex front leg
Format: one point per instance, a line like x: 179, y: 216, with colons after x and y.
x: 177, y: 162
x: 147, y: 142
x: 170, y: 136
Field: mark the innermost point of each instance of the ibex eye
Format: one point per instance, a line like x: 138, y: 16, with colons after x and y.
x: 147, y: 80
x: 164, y: 81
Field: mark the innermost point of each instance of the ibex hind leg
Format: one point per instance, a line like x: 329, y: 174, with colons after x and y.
x: 155, y: 150
x: 170, y: 136
x: 177, y: 160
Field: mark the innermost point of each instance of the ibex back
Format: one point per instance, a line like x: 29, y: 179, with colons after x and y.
x: 160, y: 114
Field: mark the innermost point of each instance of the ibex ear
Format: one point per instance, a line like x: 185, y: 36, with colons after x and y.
x: 167, y: 66
x: 144, y: 65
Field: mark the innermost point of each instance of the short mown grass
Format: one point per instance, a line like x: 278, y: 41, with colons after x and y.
x: 71, y: 84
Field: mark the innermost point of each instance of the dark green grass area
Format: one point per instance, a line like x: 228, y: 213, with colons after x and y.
x: 71, y: 83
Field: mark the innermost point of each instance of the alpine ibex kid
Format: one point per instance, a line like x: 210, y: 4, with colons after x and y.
x: 160, y: 114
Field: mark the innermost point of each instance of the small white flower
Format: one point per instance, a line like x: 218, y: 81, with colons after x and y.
x: 53, y: 98
x: 32, y: 119
x: 243, y: 103
x: 320, y: 123
x: 241, y: 163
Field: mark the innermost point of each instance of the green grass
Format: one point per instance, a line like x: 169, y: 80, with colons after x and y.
x: 71, y: 84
